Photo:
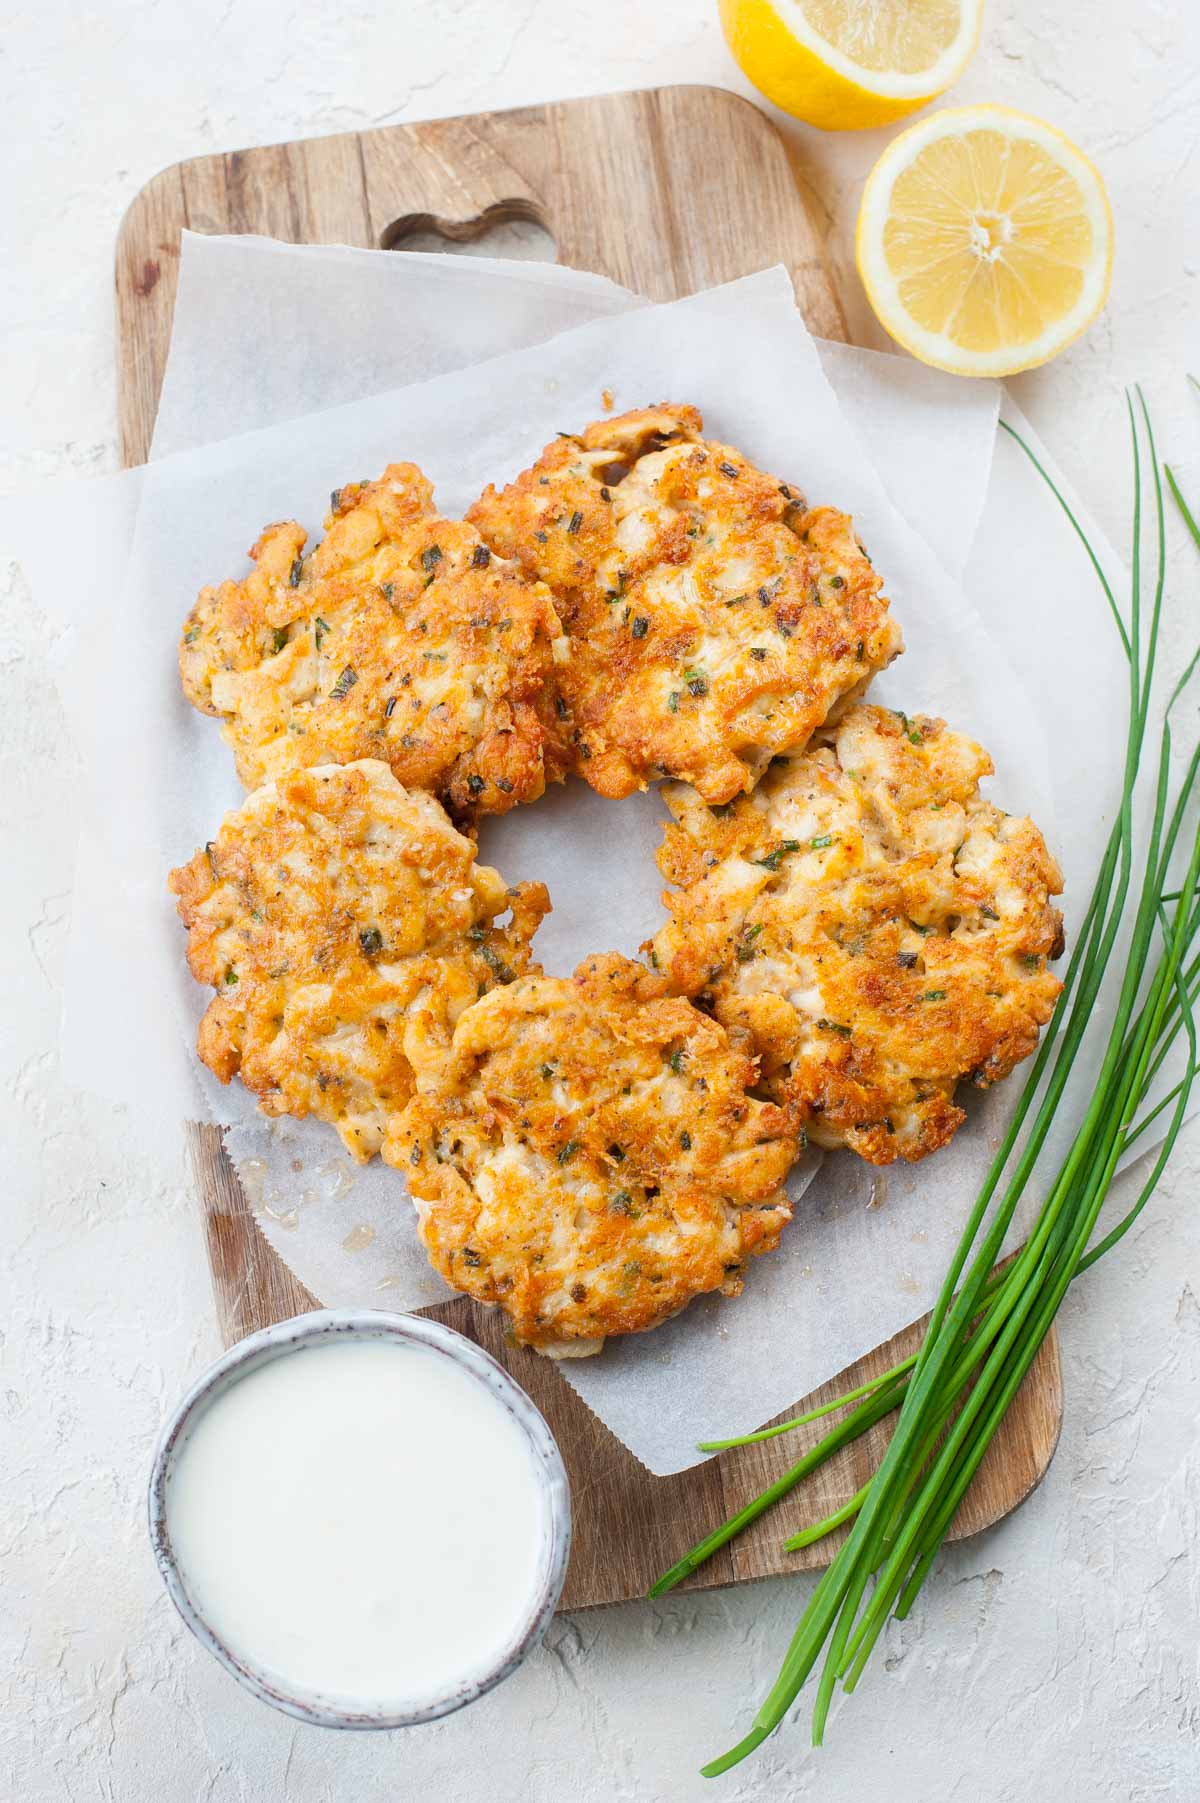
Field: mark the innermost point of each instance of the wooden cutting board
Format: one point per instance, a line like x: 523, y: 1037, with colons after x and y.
x: 666, y: 191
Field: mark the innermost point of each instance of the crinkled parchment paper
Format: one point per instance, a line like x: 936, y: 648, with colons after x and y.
x: 848, y: 1274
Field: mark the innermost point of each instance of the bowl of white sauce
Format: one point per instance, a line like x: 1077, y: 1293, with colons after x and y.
x: 362, y: 1517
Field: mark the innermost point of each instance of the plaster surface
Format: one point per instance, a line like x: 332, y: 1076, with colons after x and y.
x: 1055, y: 1656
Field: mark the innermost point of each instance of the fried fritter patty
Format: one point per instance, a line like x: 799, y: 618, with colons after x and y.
x: 880, y: 929
x: 401, y: 636
x: 345, y: 926
x: 715, y: 620
x: 589, y: 1159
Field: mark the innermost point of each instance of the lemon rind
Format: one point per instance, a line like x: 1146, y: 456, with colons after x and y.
x: 923, y: 85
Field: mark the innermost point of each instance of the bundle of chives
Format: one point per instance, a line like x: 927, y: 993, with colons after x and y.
x: 988, y: 1325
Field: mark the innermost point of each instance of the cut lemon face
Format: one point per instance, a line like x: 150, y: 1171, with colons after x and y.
x: 848, y: 64
x: 984, y: 241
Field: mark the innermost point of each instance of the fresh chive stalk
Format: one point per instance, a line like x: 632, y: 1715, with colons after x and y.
x: 989, y: 1322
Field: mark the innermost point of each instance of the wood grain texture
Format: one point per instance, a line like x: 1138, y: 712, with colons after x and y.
x: 666, y: 191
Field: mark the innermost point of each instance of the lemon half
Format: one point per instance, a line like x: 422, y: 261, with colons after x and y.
x: 984, y: 241
x: 848, y: 64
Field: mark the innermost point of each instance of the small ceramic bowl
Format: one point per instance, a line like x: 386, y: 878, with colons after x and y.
x: 291, y: 1339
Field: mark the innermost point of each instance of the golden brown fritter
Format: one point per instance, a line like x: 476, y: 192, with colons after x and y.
x: 880, y: 929
x: 344, y: 925
x: 589, y: 1159
x: 401, y: 636
x: 715, y: 621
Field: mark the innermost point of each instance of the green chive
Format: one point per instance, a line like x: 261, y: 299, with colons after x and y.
x: 783, y: 850
x: 989, y: 1323
x: 745, y: 946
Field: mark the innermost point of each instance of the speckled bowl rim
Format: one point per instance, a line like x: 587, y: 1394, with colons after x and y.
x: 294, y: 1337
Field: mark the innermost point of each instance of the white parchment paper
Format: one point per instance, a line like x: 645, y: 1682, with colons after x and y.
x: 846, y: 1277
x: 264, y: 332
x: 344, y: 323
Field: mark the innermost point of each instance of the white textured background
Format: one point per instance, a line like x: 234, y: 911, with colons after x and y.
x: 1055, y: 1657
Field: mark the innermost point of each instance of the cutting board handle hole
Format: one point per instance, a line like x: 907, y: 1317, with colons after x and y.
x: 508, y: 228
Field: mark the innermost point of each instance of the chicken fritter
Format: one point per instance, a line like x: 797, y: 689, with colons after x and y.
x: 589, y: 1159
x: 880, y: 929
x: 400, y: 636
x: 715, y: 620
x: 345, y: 926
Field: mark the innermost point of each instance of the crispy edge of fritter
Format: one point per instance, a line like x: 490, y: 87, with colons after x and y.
x: 711, y: 857
x: 491, y: 952
x: 629, y: 1006
x: 241, y: 627
x: 617, y: 750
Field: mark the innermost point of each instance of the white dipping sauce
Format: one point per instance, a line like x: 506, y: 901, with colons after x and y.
x: 362, y: 1518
